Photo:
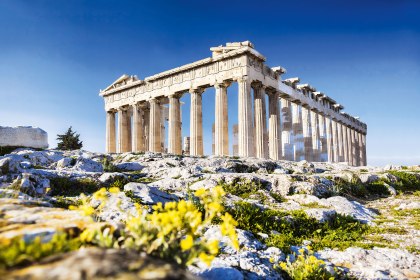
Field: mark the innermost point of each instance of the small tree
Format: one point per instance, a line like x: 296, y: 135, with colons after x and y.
x: 69, y: 140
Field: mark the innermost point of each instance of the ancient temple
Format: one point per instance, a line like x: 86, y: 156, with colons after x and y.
x: 302, y: 123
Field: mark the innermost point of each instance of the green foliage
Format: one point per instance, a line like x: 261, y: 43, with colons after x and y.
x: 407, y: 181
x: 277, y: 197
x: 239, y: 167
x: 64, y: 202
x: 295, y: 226
x: 17, y: 252
x: 242, y: 188
x: 305, y: 267
x: 68, y: 187
x: 355, y: 187
x: 108, y: 166
x: 69, y: 140
x: 173, y: 231
x: 4, y: 150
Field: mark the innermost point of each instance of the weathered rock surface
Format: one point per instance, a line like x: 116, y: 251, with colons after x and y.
x: 152, y: 178
x: 96, y: 263
x: 378, y: 263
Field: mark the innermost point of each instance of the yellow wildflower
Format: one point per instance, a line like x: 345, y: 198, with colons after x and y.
x: 213, y: 247
x: 187, y: 243
x: 207, y: 259
x: 200, y: 192
x: 114, y: 190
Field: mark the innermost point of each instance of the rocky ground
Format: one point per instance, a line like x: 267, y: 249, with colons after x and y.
x: 362, y: 222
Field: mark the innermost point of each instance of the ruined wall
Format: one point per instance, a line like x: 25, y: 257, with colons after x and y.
x: 25, y: 136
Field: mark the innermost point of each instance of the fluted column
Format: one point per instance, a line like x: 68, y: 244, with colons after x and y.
x: 329, y: 134
x: 353, y: 147
x: 335, y: 141
x: 259, y: 121
x: 174, y: 134
x: 110, y: 132
x: 346, y: 144
x: 138, y: 137
x: 245, y: 126
x: 146, y: 126
x: 350, y: 146
x: 154, y: 126
x: 307, y: 134
x: 340, y: 142
x: 360, y: 147
x: 274, y: 133
x: 124, y: 131
x: 221, y: 133
x: 286, y: 129
x: 298, y: 152
x: 364, y: 155
x: 196, y: 123
x: 316, y: 144
x: 322, y: 138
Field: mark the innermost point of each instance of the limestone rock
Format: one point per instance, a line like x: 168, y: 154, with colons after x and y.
x: 149, y: 194
x: 377, y: 263
x: 129, y: 166
x: 110, y: 177
x: 96, y: 263
x: 88, y: 165
x: 117, y: 208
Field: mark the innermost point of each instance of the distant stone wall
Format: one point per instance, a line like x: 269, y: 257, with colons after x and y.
x: 25, y: 136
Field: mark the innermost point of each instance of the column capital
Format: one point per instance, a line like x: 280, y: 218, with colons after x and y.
x: 154, y: 101
x: 223, y: 84
x: 197, y: 90
x: 123, y: 108
x: 256, y: 85
x: 242, y: 79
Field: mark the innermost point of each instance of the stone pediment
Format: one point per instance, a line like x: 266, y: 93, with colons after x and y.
x: 122, y: 81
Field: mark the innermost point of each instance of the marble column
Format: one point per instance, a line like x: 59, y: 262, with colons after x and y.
x: 353, y: 146
x: 110, y: 132
x: 124, y: 131
x: 329, y: 134
x: 146, y: 130
x: 138, y: 132
x: 307, y: 134
x: 298, y: 152
x: 346, y: 142
x: 259, y: 121
x: 155, y: 144
x: 174, y: 134
x: 316, y: 143
x: 360, y: 146
x: 322, y: 138
x: 221, y: 132
x: 340, y: 142
x: 350, y: 146
x: 364, y: 156
x: 274, y: 133
x: 196, y: 122
x: 336, y: 157
x: 245, y: 123
x: 286, y: 129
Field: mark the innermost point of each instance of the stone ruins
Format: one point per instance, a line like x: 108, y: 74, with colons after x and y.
x: 23, y: 136
x: 303, y: 123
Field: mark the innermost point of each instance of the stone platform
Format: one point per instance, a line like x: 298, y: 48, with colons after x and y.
x: 24, y: 136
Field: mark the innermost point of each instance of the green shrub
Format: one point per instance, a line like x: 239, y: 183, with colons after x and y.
x: 407, y: 182
x: 4, y: 150
x: 64, y: 202
x: 277, y: 197
x: 293, y: 227
x: 68, y: 187
x: 108, y: 166
x: 242, y: 188
x: 16, y: 251
x: 305, y: 267
x: 377, y: 188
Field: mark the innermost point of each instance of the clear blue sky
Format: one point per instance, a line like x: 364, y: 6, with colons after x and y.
x: 56, y: 55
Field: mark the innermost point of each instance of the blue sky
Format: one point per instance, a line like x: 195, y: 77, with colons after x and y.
x: 56, y: 55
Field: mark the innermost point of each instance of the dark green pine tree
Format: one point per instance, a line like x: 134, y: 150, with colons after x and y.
x: 69, y: 140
